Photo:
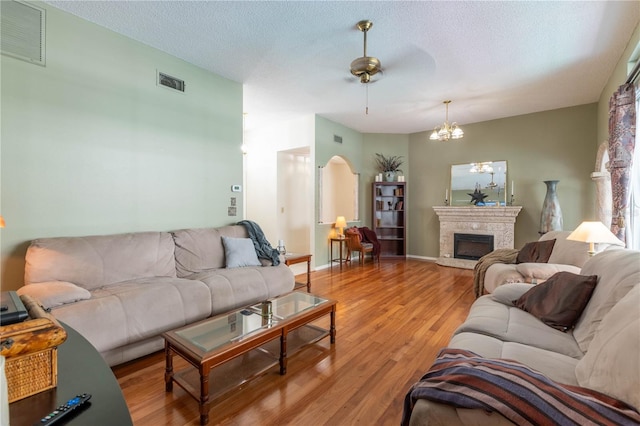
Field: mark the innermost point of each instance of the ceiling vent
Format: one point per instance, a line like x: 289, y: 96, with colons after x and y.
x: 22, y: 31
x: 170, y: 82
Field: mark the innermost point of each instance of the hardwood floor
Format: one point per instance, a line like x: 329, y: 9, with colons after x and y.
x: 392, y: 318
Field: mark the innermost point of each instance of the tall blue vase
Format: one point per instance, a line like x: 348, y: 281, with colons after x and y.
x: 551, y: 215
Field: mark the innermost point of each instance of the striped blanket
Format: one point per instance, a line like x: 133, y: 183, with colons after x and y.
x: 524, y: 396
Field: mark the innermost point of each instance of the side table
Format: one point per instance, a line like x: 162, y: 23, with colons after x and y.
x: 341, y: 243
x: 292, y: 259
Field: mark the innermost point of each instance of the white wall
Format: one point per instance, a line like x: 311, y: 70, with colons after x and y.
x: 275, y: 183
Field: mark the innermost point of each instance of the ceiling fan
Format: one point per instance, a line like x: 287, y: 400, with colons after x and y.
x: 365, y: 66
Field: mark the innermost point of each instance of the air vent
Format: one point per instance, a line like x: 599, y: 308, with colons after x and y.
x: 22, y: 31
x: 337, y: 138
x: 170, y: 82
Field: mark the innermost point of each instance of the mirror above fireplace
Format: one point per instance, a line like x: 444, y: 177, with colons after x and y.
x: 488, y: 180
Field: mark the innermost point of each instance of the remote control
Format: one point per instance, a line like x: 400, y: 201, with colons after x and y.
x: 64, y: 410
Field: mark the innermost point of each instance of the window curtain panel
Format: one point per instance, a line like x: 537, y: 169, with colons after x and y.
x: 622, y: 131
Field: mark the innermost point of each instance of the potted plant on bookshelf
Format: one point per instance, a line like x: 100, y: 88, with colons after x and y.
x: 389, y: 166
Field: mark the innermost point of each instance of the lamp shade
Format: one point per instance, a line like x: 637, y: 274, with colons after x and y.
x: 1, y: 222
x: 341, y: 223
x: 594, y: 232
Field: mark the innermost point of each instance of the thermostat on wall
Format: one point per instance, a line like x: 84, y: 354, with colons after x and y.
x: 236, y: 188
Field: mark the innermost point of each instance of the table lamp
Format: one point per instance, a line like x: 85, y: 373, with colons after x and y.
x: 594, y: 232
x: 341, y: 223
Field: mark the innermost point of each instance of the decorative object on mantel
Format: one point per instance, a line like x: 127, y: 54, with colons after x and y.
x: 446, y: 131
x: 477, y: 197
x: 551, y: 215
x: 389, y: 166
x: 512, y: 197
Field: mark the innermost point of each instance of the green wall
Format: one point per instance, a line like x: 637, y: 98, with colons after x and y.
x: 91, y: 145
x: 351, y: 150
x: 558, y: 144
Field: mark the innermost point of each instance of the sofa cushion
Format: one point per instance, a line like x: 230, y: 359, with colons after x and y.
x: 95, y: 261
x: 55, y: 293
x: 556, y: 366
x: 239, y: 252
x: 127, y: 312
x: 566, y: 252
x: 510, y: 324
x: 236, y: 287
x: 201, y: 249
x: 611, y: 365
x: 559, y: 301
x: 535, y: 252
x: 618, y: 271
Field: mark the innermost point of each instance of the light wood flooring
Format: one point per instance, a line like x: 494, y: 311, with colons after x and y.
x: 392, y: 318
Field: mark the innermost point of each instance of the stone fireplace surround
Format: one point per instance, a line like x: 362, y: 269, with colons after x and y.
x: 485, y: 220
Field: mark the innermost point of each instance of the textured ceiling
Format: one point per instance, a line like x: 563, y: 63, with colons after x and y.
x: 492, y: 59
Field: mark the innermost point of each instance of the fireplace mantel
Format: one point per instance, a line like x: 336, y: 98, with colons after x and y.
x: 486, y: 220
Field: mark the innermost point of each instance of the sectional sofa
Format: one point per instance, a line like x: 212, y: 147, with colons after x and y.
x: 122, y: 291
x: 565, y: 255
x: 599, y: 353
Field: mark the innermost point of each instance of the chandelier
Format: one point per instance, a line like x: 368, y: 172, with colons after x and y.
x: 481, y: 167
x: 446, y: 131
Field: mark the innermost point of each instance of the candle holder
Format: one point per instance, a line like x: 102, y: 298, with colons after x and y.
x: 511, y: 200
x: 446, y: 201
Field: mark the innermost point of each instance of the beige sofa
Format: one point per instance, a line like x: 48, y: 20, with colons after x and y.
x: 122, y: 291
x: 600, y: 353
x: 566, y: 255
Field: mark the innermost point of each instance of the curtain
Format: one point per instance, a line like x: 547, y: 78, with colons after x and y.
x: 622, y: 129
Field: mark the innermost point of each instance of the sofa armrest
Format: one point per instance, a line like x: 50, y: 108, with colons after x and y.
x: 507, y: 293
x: 499, y: 274
x: 55, y: 293
x: 535, y: 273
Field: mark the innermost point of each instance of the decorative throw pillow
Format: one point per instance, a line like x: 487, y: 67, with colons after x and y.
x: 55, y: 293
x: 560, y: 300
x: 240, y: 252
x: 536, y: 252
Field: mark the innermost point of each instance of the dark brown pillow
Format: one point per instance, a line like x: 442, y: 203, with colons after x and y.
x: 536, y: 252
x: 560, y: 300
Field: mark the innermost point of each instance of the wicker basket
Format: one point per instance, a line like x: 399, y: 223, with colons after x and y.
x: 30, y: 348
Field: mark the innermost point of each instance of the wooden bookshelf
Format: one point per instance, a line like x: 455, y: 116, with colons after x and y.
x: 389, y: 217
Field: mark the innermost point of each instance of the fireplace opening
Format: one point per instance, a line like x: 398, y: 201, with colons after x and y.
x: 471, y: 246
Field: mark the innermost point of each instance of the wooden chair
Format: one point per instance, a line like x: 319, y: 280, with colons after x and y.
x: 352, y: 239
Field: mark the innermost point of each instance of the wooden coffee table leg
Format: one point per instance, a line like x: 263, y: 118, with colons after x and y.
x: 283, y: 353
x: 309, y: 275
x: 168, y: 372
x: 204, y: 395
x: 332, y: 330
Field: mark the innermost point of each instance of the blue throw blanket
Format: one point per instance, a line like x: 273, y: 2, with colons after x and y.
x: 526, y: 397
x: 264, y: 250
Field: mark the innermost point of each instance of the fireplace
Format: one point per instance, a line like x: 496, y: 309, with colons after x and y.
x: 471, y: 246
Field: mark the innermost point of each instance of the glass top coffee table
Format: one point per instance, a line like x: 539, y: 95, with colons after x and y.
x: 241, y: 338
